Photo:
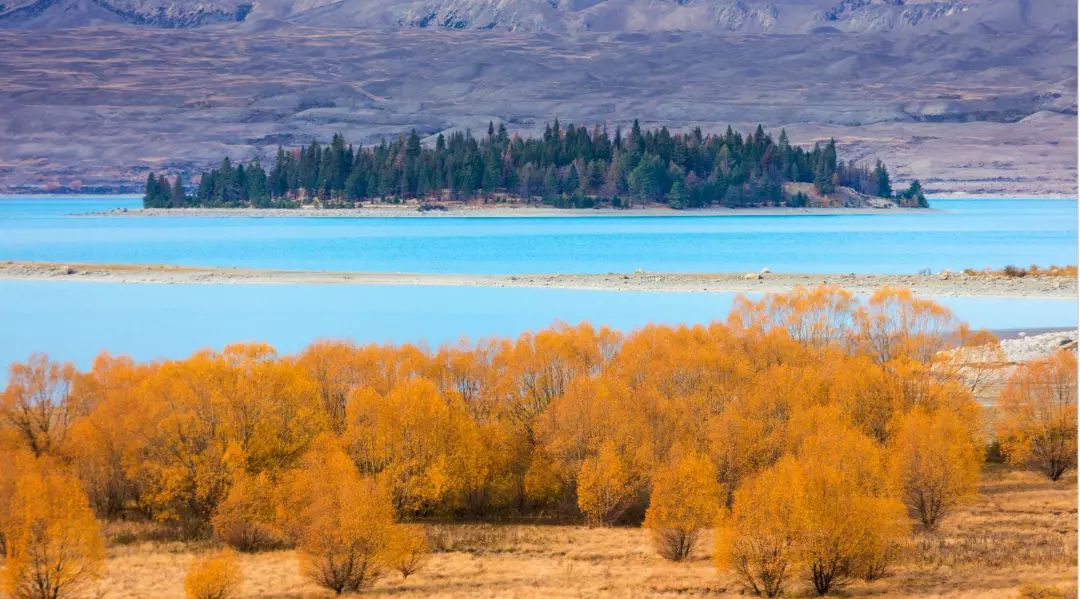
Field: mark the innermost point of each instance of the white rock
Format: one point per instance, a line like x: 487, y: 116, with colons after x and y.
x: 753, y: 275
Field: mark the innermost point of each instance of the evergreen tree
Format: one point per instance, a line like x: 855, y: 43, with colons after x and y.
x: 880, y: 180
x: 150, y: 194
x: 177, y: 198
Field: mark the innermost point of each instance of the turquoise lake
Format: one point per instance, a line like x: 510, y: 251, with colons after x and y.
x: 959, y: 234
x: 74, y: 321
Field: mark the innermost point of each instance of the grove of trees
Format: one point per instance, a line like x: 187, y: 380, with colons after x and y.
x: 813, y: 432
x: 568, y: 166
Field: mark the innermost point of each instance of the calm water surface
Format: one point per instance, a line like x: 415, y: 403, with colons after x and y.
x: 74, y: 321
x: 959, y: 234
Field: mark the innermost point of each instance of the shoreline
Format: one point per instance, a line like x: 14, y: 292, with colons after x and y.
x: 486, y: 211
x: 952, y: 285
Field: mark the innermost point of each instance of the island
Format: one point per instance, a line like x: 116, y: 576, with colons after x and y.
x: 567, y: 167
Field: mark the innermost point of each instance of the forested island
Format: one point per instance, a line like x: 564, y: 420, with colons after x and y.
x: 568, y: 167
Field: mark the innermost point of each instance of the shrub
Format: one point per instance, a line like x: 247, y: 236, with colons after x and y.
x: 1038, y: 424
x: 215, y: 576
x: 53, y: 542
x: 606, y: 487
x: 934, y: 464
x: 821, y: 511
x: 246, y: 520
x: 685, y: 499
x: 345, y: 523
x: 408, y: 550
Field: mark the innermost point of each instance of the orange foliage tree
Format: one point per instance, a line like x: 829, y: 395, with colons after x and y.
x: 343, y: 523
x: 934, y: 463
x: 1038, y: 415
x: 53, y: 543
x: 37, y: 405
x: 685, y: 499
x: 823, y: 510
x: 214, y: 576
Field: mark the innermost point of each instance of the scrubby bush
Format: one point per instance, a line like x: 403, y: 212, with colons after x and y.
x: 408, y: 550
x: 344, y: 523
x: 685, y: 499
x: 248, y: 520
x: 822, y: 512
x: 54, y: 545
x: 1038, y: 424
x: 214, y: 576
x: 934, y: 463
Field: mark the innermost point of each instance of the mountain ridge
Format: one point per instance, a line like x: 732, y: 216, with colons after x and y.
x: 545, y: 16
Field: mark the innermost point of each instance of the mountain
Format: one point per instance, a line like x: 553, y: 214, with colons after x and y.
x: 973, y: 96
x: 551, y: 16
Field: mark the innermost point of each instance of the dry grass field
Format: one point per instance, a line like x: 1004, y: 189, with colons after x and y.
x: 1022, y: 530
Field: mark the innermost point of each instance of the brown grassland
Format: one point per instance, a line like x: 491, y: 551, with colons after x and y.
x: 1020, y: 530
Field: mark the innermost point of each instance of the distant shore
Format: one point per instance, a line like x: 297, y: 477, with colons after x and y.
x: 483, y: 210
x: 948, y: 285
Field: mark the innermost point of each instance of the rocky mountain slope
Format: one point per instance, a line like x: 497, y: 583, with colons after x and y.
x: 970, y: 96
x: 553, y: 16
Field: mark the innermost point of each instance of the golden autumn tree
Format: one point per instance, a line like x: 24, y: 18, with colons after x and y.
x: 934, y: 462
x: 822, y: 511
x: 343, y: 524
x: 424, y: 450
x: 53, y: 543
x: 895, y: 323
x: 408, y: 549
x: 537, y: 368
x: 607, y: 485
x: 107, y: 440
x: 750, y: 432
x: 187, y: 458
x: 757, y: 540
x: 213, y: 576
x: 337, y: 368
x: 820, y: 316
x: 1037, y: 407
x: 37, y: 405
x: 248, y: 519
x: 272, y: 408
x: 216, y: 415
x: 685, y: 500
x: 592, y: 412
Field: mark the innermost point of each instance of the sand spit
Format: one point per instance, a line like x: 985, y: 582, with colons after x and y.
x: 942, y: 285
x: 485, y: 210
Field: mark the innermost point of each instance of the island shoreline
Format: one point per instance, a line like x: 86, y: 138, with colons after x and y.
x: 488, y: 211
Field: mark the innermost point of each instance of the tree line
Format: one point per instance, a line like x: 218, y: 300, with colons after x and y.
x: 813, y: 431
x: 568, y: 166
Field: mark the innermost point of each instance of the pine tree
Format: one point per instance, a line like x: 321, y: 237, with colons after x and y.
x: 177, y: 198
x: 150, y: 195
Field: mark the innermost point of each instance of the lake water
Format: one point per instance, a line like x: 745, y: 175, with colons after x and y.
x: 74, y: 321
x: 959, y: 234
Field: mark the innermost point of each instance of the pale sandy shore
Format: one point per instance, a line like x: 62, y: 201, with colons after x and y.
x: 954, y: 285
x: 483, y: 210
